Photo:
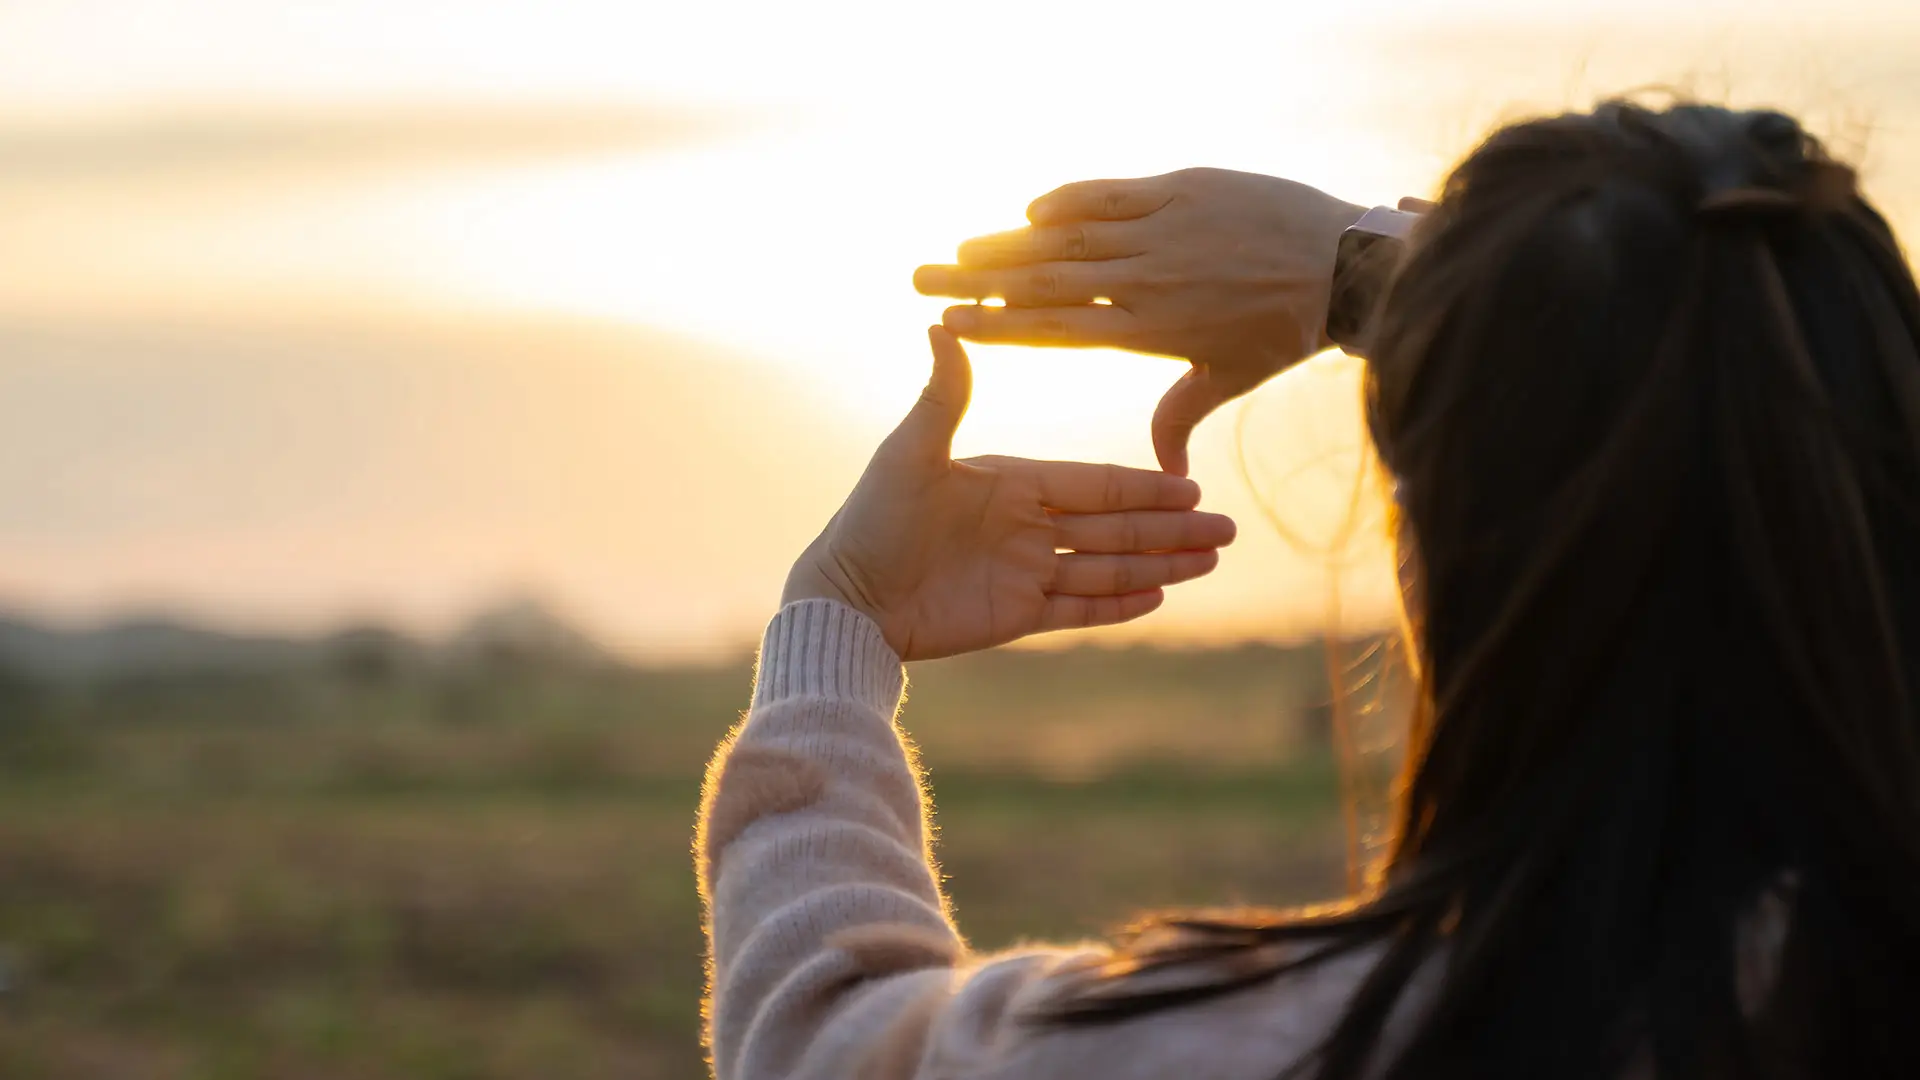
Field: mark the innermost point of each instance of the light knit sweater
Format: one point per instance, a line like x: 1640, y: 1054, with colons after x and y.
x: 833, y: 953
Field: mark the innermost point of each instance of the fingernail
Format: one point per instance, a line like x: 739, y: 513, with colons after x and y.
x: 961, y: 319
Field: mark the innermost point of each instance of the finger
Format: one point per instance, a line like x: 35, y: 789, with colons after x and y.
x: 1181, y: 409
x: 1082, y: 488
x: 1416, y: 206
x: 931, y: 423
x: 1117, y: 575
x: 1100, y: 200
x: 1077, y: 612
x: 1082, y: 326
x: 1044, y: 285
x: 1049, y: 243
x: 1142, y: 530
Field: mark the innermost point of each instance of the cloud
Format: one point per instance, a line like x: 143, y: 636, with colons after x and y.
x: 131, y: 147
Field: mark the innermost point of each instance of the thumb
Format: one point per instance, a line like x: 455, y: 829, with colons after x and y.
x: 1188, y: 402
x: 936, y: 416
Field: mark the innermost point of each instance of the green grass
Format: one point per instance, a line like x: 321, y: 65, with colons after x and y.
x: 489, y: 877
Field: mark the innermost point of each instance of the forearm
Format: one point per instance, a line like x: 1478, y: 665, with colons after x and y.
x: 830, y: 943
x: 811, y: 822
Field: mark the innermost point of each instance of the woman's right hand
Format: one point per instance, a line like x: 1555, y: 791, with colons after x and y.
x: 1229, y: 270
x: 951, y: 556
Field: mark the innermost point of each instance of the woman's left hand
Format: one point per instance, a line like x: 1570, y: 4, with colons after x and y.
x: 1227, y: 269
x: 952, y: 556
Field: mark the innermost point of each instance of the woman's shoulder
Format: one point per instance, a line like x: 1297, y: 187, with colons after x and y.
x: 997, y: 1025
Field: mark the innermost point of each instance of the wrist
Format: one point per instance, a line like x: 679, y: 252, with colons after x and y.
x: 814, y: 577
x: 806, y: 582
x: 1344, y: 213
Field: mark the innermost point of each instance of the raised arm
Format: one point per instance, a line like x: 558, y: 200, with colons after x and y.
x: 832, y: 953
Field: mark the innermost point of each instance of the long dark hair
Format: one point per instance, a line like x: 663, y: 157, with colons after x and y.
x: 1648, y: 384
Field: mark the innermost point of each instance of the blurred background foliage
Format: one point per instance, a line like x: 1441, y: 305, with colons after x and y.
x: 365, y: 855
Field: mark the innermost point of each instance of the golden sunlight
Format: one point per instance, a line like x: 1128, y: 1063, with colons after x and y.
x: 747, y: 209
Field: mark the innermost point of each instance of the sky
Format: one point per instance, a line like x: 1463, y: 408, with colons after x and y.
x: 314, y: 313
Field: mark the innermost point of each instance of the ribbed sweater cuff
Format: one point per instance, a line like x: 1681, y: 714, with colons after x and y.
x: 823, y: 648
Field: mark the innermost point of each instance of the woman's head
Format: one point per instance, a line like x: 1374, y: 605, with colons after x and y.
x: 1648, y: 385
x: 1649, y: 388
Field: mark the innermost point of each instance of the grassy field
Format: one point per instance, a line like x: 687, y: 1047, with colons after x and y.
x: 485, y: 873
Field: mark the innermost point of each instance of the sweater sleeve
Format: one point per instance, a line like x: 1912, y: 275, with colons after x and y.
x: 831, y: 953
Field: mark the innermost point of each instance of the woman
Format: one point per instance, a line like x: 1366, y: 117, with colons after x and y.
x: 1647, y: 385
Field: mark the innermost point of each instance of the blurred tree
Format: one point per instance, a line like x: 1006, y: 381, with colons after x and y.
x: 370, y: 655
